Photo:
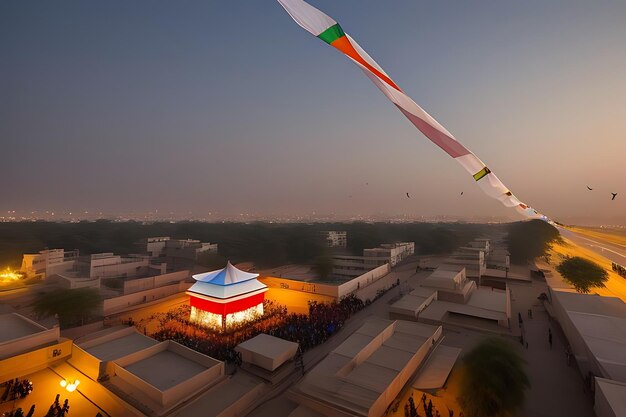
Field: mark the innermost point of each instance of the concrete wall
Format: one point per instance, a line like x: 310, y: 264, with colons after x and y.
x: 336, y: 291
x: 302, y: 286
x: 601, y: 405
x: 363, y: 280
x: 23, y: 344
x: 71, y: 283
x: 119, y: 304
x: 238, y: 407
x: 91, y: 366
x: 18, y: 366
x: 142, y: 284
x: 584, y: 357
x: 508, y: 302
x: 180, y: 392
x: 107, y: 265
x: 379, y: 406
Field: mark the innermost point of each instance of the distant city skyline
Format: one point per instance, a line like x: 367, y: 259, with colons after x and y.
x: 205, y: 108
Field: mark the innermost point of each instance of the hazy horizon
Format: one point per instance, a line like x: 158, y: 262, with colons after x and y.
x: 214, y: 107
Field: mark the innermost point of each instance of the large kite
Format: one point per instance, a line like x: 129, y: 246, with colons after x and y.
x: 324, y: 27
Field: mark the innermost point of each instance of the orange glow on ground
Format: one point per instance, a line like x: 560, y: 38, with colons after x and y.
x: 8, y: 276
x: 295, y: 301
x: 444, y: 399
x: 615, y: 285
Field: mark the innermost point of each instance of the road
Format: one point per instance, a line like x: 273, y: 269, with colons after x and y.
x: 611, y: 251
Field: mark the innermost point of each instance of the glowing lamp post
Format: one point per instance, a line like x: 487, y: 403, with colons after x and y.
x: 69, y: 386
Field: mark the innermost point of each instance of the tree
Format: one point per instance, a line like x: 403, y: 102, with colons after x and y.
x: 494, y: 381
x: 582, y: 273
x: 72, y: 306
x: 211, y: 260
x: 530, y: 239
x: 324, y: 266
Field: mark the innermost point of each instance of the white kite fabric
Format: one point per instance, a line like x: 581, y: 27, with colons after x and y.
x: 324, y: 27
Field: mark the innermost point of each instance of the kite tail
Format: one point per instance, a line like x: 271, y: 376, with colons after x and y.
x: 324, y: 27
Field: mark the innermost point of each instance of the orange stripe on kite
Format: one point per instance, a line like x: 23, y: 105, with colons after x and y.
x: 343, y: 44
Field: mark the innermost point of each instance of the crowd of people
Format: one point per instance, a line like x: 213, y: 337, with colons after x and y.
x: 621, y: 271
x: 58, y: 410
x: 411, y: 408
x: 16, y: 389
x: 323, y: 320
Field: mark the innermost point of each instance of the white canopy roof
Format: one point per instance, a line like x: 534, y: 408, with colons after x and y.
x: 225, y: 276
x: 227, y: 291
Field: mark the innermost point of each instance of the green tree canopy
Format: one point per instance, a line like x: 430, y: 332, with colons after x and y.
x: 530, y: 239
x: 323, y: 266
x: 494, y: 380
x: 582, y: 273
x: 72, y: 306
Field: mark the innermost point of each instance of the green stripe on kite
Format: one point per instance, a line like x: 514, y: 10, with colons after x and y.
x: 482, y: 173
x: 331, y: 34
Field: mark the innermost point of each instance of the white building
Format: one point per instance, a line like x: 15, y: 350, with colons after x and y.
x: 472, y: 259
x: 155, y: 246
x: 448, y: 296
x: 354, y: 266
x: 480, y: 243
x: 335, y: 239
x: 176, y: 248
x: 364, y: 374
x: 188, y: 248
x: 108, y: 265
x: 393, y: 252
x: 48, y: 262
x: 26, y: 346
x: 595, y: 328
x: 451, y: 284
x: 387, y: 253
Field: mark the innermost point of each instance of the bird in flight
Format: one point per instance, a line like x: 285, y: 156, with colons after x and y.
x: 461, y: 192
x: 614, y: 195
x: 589, y: 188
x: 407, y: 194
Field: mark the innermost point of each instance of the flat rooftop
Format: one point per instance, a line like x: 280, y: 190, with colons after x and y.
x: 385, y: 350
x: 305, y: 273
x: 165, y: 369
x: 295, y: 272
x: 224, y: 395
x: 15, y: 326
x: 488, y: 299
x: 409, y: 305
x: 601, y: 322
x: 591, y: 304
x: 436, y: 370
x: 116, y: 343
x: 268, y: 346
x: 438, y: 310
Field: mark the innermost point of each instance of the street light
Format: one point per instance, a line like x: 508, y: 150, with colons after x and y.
x: 69, y: 386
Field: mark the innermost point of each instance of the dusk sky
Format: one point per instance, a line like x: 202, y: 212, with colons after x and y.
x: 229, y: 107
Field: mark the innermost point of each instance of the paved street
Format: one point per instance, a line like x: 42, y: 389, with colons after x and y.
x: 612, y: 251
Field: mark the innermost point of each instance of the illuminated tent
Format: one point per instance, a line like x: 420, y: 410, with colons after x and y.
x: 226, y: 297
x: 328, y: 30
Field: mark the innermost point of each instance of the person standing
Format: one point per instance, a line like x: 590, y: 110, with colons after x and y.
x: 550, y: 337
